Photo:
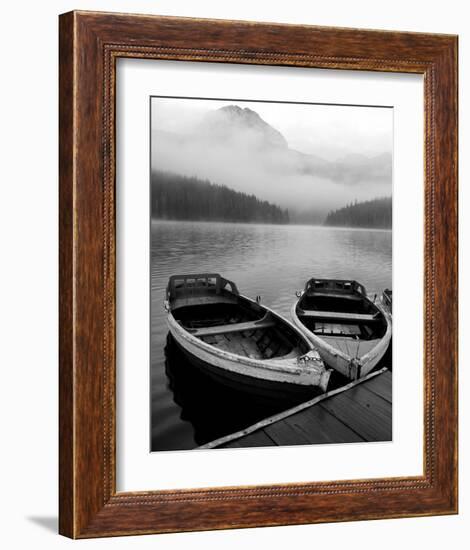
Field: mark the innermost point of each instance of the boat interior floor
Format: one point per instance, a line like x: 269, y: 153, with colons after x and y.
x: 256, y: 343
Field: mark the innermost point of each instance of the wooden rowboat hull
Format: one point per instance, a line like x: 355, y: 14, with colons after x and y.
x: 340, y: 362
x: 352, y: 367
x: 237, y: 340
x: 261, y: 388
x: 387, y: 299
x: 271, y: 379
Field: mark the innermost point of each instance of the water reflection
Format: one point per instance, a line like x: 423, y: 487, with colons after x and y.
x: 210, y: 408
x: 267, y: 260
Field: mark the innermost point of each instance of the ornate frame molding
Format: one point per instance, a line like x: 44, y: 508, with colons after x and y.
x: 90, y: 43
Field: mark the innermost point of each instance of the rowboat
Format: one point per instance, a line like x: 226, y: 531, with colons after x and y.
x: 238, y: 341
x: 387, y: 299
x: 350, y: 331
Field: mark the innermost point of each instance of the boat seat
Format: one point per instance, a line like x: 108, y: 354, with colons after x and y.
x: 354, y: 297
x: 202, y: 300
x: 233, y: 327
x: 338, y: 315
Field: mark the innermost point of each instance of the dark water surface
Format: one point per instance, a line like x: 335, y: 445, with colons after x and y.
x: 187, y: 408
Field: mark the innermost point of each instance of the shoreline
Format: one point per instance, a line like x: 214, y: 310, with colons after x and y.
x: 267, y: 224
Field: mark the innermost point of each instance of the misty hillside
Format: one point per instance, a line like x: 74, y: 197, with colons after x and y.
x: 236, y: 146
x: 176, y: 197
x: 376, y: 213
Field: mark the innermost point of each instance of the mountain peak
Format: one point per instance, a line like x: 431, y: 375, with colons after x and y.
x: 243, y: 112
x: 232, y: 122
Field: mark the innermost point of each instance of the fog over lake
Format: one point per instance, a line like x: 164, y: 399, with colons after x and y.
x: 308, y: 158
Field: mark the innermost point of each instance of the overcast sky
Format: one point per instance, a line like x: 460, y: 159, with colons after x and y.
x: 338, y: 134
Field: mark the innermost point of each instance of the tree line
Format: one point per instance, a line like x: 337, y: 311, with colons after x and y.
x: 376, y: 213
x: 177, y: 197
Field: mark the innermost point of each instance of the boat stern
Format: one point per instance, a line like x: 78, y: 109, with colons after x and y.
x: 355, y: 367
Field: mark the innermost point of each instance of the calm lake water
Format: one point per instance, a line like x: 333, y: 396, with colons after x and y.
x: 273, y: 261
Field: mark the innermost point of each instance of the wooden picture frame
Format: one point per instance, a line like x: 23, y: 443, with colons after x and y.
x: 90, y: 43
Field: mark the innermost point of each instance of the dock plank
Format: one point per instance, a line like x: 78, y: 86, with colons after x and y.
x: 364, y: 412
x: 320, y: 426
x: 284, y: 433
x: 382, y: 386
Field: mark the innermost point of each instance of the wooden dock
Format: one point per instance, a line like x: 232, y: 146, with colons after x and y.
x: 360, y: 411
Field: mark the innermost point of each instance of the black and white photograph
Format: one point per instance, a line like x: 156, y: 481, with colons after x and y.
x: 271, y: 273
